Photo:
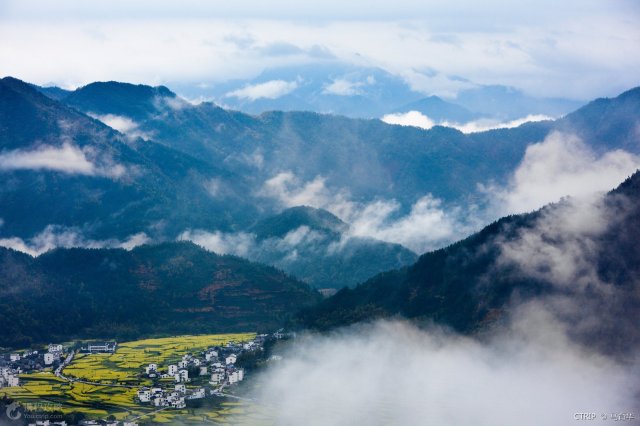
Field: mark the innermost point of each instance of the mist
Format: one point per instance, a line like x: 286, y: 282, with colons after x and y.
x: 391, y: 372
x: 54, y: 236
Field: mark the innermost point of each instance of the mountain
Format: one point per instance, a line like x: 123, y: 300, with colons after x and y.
x: 204, y: 167
x: 62, y: 168
x: 508, y: 103
x: 315, y: 246
x: 134, y: 101
x: 167, y: 288
x: 293, y: 218
x: 609, y: 123
x: 334, y: 87
x: 367, y: 158
x: 439, y: 110
x: 329, y: 87
x: 53, y: 92
x: 577, y: 257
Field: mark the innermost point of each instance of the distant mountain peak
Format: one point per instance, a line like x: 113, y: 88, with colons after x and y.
x: 136, y: 101
x: 295, y: 217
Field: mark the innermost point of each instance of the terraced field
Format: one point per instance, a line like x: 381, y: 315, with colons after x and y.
x: 116, y: 380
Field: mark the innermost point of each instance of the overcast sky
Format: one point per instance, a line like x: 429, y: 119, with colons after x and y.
x: 578, y: 49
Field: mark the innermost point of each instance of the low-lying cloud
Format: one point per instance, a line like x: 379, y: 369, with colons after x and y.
x: 418, y: 119
x: 67, y: 158
x: 55, y: 236
x: 561, y: 165
x: 122, y: 124
x: 347, y: 87
x: 269, y: 90
x: 395, y: 373
x: 239, y: 244
x: 428, y: 224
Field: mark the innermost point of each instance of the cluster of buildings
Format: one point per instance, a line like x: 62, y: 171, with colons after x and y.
x: 14, y: 364
x: 99, y: 348
x: 215, y: 367
x: 175, y: 398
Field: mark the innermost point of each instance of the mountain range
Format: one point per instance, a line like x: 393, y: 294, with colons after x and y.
x: 577, y: 258
x: 355, y: 91
x: 114, y: 293
x: 91, y: 174
x: 118, y: 164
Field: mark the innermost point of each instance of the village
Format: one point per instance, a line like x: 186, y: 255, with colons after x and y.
x: 210, y: 373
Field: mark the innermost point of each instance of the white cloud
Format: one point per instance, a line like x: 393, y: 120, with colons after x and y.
x: 561, y: 246
x: 593, y: 53
x: 286, y: 188
x: 417, y: 119
x: 484, y: 125
x: 118, y: 122
x: 220, y: 242
x: 427, y: 225
x: 560, y: 166
x: 343, y: 87
x: 270, y: 90
x: 67, y: 158
x: 410, y: 118
x: 54, y: 236
x: 394, y: 373
x: 122, y: 124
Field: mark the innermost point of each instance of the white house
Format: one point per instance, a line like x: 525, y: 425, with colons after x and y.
x: 49, y: 358
x: 151, y: 368
x: 14, y: 357
x: 177, y: 402
x: 233, y: 378
x: 231, y: 359
x: 55, y: 348
x: 182, y: 376
x: 211, y: 355
x: 204, y: 371
x: 144, y: 395
x: 181, y: 388
x: 196, y: 362
x: 217, y: 378
x: 160, y: 401
x: 173, y: 369
x: 183, y: 364
x: 197, y: 394
x: 13, y: 381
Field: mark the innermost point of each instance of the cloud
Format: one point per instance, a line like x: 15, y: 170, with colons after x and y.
x: 561, y: 247
x: 54, y: 236
x: 238, y: 244
x: 592, y: 54
x: 270, y: 90
x: 410, y: 118
x: 67, y: 158
x: 122, y: 124
x: 394, y: 373
x: 343, y: 87
x: 561, y: 165
x: 427, y: 225
x: 417, y: 119
x: 483, y: 125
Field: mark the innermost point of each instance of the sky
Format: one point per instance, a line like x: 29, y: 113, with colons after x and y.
x: 574, y: 49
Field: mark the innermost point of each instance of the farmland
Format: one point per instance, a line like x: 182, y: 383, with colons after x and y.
x: 102, y: 385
